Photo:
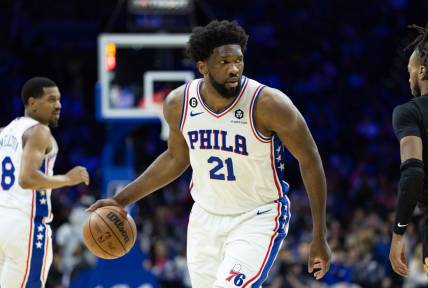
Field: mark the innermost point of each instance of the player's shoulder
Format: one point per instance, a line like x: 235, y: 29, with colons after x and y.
x: 273, y: 99
x: 273, y: 107
x: 175, y: 98
x: 405, y: 109
x: 173, y: 104
x: 420, y: 103
x: 273, y: 94
x: 38, y: 131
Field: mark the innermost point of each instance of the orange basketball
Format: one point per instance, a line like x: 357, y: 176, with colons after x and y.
x: 109, y: 233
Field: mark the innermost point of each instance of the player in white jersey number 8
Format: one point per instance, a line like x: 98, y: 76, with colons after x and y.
x: 232, y: 131
x: 27, y: 155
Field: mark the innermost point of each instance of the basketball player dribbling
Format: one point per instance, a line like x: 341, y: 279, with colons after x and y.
x: 231, y: 130
x: 27, y: 156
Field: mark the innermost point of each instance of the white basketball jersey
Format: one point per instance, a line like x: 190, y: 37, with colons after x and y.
x: 235, y: 168
x: 12, y: 195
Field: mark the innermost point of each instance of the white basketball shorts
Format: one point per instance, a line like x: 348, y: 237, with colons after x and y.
x: 235, y: 251
x: 25, y: 250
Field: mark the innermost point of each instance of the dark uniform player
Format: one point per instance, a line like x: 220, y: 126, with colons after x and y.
x: 410, y: 121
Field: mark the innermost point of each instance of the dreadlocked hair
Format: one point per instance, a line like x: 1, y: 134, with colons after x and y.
x: 420, y: 43
x: 204, y: 40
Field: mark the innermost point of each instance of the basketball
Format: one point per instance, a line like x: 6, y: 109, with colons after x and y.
x: 109, y: 233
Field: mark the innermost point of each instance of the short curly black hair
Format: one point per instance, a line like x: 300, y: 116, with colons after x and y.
x: 34, y: 88
x: 204, y: 40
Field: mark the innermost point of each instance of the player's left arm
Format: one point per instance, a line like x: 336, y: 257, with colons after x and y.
x: 276, y: 114
x: 405, y: 122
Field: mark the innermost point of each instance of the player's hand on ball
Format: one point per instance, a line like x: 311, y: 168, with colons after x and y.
x: 105, y: 202
x: 319, y: 258
x: 77, y: 175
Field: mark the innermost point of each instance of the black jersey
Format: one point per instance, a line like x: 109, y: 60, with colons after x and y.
x: 411, y: 119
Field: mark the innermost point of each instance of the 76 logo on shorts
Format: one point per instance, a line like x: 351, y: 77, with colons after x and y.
x: 237, y: 277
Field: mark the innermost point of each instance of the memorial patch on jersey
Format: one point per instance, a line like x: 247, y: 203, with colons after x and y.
x: 212, y: 139
x: 193, y: 102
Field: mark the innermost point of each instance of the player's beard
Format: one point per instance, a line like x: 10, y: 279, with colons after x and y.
x: 223, y: 90
x: 54, y: 121
x: 416, y: 90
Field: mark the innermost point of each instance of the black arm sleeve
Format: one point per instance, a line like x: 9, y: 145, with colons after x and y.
x: 405, y: 120
x: 410, y: 189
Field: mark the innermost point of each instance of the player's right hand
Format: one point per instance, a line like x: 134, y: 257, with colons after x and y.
x: 397, y: 255
x: 77, y: 175
x: 105, y: 202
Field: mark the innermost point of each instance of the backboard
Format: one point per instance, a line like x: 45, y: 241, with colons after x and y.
x: 137, y: 71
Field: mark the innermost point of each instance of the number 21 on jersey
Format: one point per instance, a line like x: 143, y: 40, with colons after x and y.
x: 217, y: 172
x: 7, y: 173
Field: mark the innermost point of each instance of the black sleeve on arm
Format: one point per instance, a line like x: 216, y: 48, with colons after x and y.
x: 410, y: 188
x: 405, y: 120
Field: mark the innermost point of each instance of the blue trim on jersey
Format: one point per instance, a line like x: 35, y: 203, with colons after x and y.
x: 41, y: 197
x: 284, y: 219
x: 41, y: 204
x: 285, y: 187
x: 183, y: 106
x: 252, y: 115
x: 279, y: 154
x: 37, y: 255
x: 43, y: 167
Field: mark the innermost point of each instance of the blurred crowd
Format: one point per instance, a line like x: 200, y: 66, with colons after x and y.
x: 341, y: 63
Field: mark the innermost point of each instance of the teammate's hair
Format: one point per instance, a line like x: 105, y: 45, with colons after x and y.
x: 34, y: 88
x: 204, y: 40
x: 420, y: 44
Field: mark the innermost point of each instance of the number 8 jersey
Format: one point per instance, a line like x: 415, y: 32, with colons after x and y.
x: 35, y: 204
x: 235, y: 168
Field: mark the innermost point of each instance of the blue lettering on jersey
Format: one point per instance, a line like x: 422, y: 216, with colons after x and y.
x: 216, y: 132
x: 240, y: 145
x: 224, y: 146
x: 193, y: 138
x: 205, y: 136
x: 217, y: 140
